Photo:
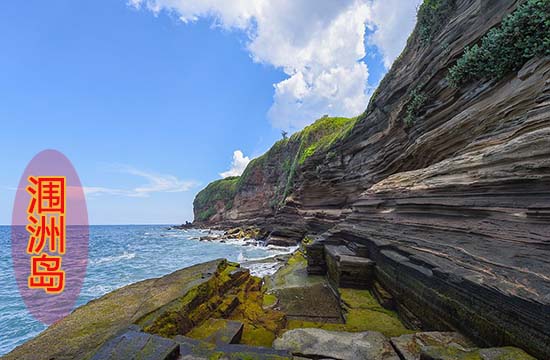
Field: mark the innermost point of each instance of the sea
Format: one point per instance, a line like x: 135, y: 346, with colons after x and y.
x: 120, y: 255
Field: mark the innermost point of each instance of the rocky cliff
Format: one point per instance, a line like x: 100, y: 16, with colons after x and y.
x: 444, y: 181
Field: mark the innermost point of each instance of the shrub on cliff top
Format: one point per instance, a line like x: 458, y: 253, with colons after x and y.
x: 432, y: 16
x: 220, y: 190
x: 520, y: 37
x: 321, y: 134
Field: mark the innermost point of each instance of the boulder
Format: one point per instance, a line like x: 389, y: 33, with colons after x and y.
x: 409, y: 347
x: 317, y: 343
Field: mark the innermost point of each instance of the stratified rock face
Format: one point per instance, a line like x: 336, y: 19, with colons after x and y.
x: 454, y: 207
x: 254, y: 198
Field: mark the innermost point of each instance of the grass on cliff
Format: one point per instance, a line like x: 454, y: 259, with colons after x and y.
x: 321, y: 134
x: 523, y: 35
x: 221, y: 190
x: 315, y: 138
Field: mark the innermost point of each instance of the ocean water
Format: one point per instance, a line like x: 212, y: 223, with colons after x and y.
x: 118, y: 256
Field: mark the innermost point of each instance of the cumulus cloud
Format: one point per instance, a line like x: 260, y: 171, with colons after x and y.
x: 319, y: 44
x: 238, y: 164
x: 392, y: 21
x: 156, y: 183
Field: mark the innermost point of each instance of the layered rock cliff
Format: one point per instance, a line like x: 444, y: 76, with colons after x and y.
x: 444, y: 180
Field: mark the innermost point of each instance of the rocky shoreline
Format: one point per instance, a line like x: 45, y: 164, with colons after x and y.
x: 437, y: 197
x: 217, y: 310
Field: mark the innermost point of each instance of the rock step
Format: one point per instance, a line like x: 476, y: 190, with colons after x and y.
x: 346, y: 270
x: 192, y: 349
x: 383, y: 296
x: 135, y: 344
x: 218, y: 331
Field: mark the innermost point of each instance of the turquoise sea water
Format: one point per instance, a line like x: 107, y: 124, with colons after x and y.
x: 118, y: 256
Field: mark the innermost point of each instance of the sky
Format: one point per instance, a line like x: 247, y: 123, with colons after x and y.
x: 153, y: 99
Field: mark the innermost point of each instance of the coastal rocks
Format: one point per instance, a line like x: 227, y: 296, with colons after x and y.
x: 191, y: 349
x: 318, y: 344
x: 186, y: 226
x: 450, y: 346
x: 452, y: 205
x: 245, y: 233
x: 347, y: 270
x: 134, y: 344
x: 410, y: 346
x: 200, y: 303
x: 138, y: 345
x: 89, y: 326
x: 239, y: 233
x: 218, y: 331
x: 302, y: 297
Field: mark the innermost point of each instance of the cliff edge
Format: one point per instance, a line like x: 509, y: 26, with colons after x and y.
x: 444, y: 181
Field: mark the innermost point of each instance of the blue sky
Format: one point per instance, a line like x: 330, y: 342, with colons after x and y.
x: 150, y: 105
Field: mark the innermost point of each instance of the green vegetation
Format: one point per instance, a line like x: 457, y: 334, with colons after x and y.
x: 432, y: 16
x: 222, y: 190
x: 521, y: 36
x: 417, y: 99
x: 321, y: 134
x: 316, y: 137
x: 286, y: 154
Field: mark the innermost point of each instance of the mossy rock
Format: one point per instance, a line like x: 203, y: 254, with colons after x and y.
x: 218, y: 331
x: 182, y: 314
x: 362, y: 313
x: 89, y: 326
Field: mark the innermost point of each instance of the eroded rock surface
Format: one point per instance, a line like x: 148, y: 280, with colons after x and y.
x: 410, y: 346
x: 453, y: 208
x: 82, y: 332
x: 317, y: 343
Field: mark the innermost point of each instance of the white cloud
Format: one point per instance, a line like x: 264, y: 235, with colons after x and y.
x: 319, y: 44
x: 392, y: 22
x: 238, y: 165
x: 155, y: 183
